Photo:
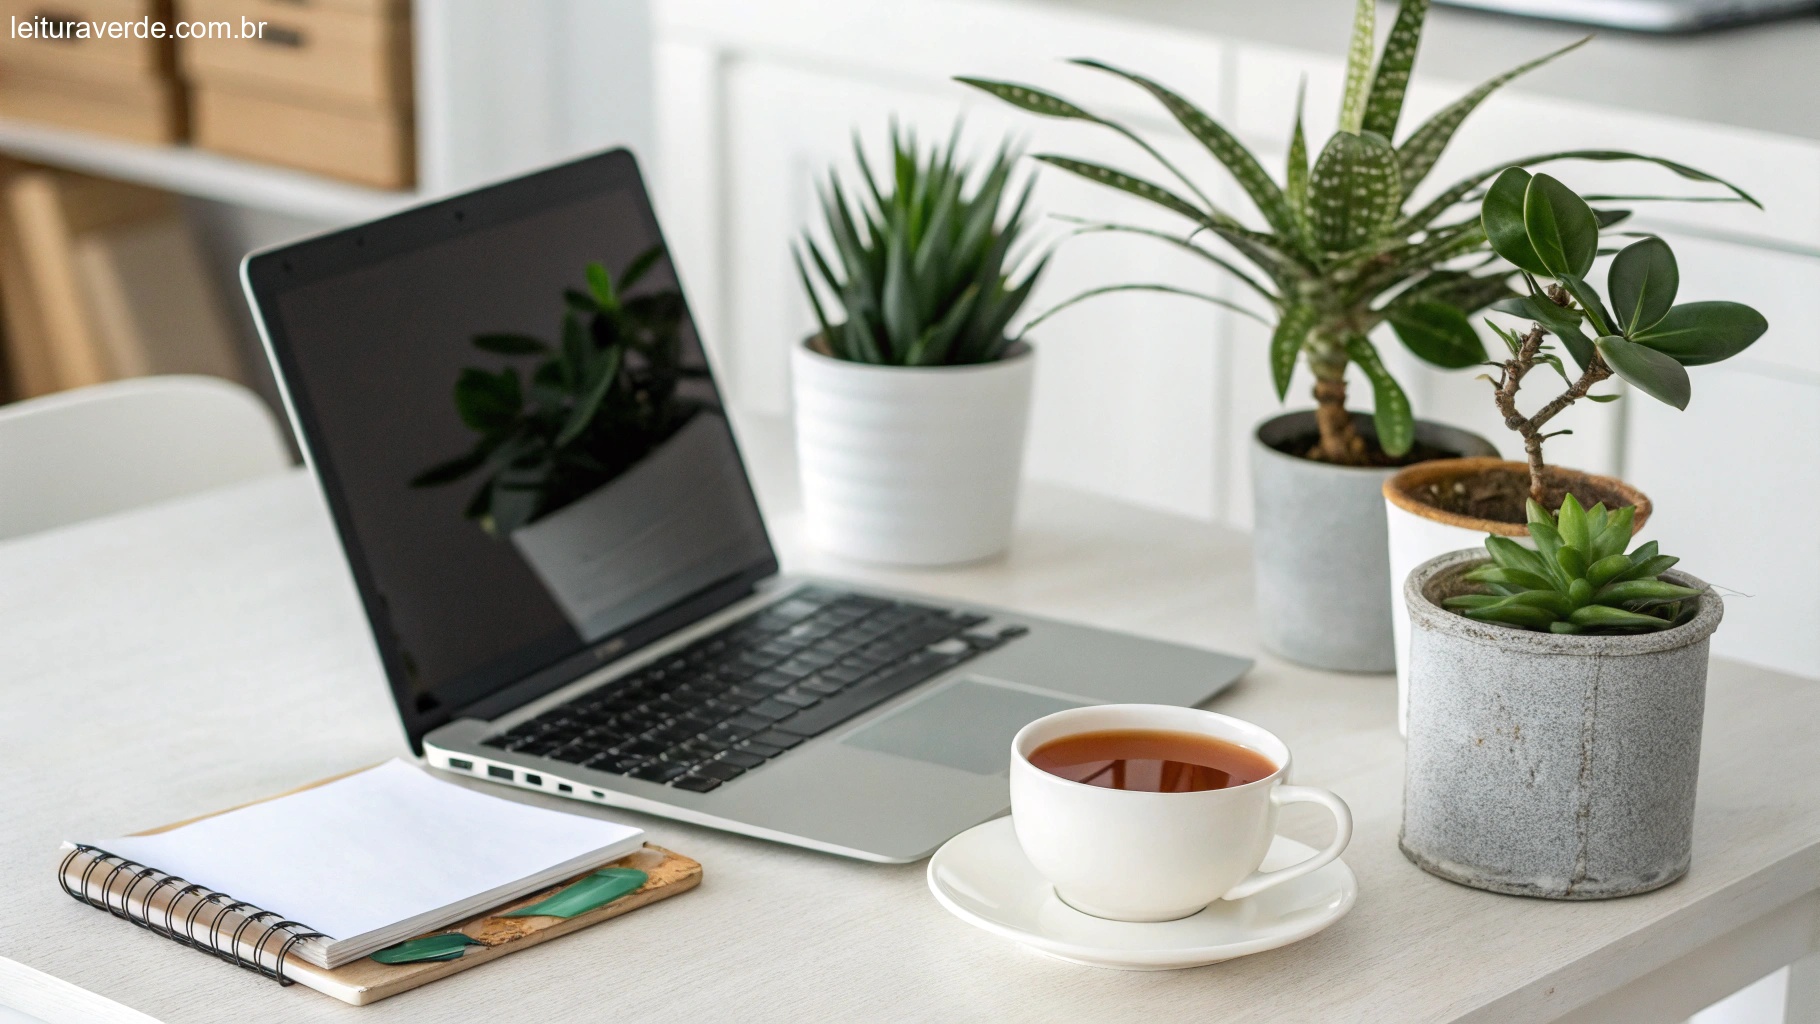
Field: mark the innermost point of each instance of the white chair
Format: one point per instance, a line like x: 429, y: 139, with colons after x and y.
x: 79, y: 454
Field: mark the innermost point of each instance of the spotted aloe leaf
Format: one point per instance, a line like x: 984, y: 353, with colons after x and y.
x: 1391, y: 414
x: 1353, y: 191
x: 1391, y: 79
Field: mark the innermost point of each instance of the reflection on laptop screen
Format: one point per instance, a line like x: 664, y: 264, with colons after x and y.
x: 527, y: 448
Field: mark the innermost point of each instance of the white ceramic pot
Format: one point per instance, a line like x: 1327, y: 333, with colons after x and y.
x: 911, y: 465
x: 1419, y: 532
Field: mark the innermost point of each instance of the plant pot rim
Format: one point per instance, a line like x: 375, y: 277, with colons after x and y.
x: 1019, y: 352
x: 1426, y: 614
x: 1361, y: 420
x: 1400, y: 490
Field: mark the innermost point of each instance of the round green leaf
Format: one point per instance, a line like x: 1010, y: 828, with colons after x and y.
x: 1648, y: 370
x: 1502, y: 215
x: 1642, y: 283
x: 1439, y: 334
x: 1696, y: 333
x: 1562, y: 228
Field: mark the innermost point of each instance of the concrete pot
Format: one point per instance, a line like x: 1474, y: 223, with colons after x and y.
x: 1419, y: 532
x: 911, y: 465
x: 1321, y: 565
x: 1545, y: 765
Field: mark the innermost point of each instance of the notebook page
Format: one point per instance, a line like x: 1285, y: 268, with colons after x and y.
x: 371, y: 850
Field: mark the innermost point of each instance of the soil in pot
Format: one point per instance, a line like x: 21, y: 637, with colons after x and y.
x: 1307, y: 445
x: 1500, y: 493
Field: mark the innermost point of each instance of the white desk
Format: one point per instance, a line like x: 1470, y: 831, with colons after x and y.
x: 199, y: 654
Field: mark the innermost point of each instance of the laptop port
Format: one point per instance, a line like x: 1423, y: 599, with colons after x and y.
x: 535, y: 780
x: 464, y: 765
x: 499, y: 773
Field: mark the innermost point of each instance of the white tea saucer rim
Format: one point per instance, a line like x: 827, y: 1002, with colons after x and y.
x: 1338, y: 876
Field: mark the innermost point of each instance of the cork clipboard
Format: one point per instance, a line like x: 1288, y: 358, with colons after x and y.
x: 230, y: 933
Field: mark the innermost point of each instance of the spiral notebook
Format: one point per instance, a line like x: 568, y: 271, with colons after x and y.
x: 334, y: 872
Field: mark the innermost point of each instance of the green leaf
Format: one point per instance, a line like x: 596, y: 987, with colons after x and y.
x: 1644, y: 592
x: 1502, y: 214
x: 1391, y: 80
x: 1165, y: 289
x: 1129, y: 183
x: 1358, y: 67
x: 509, y: 344
x: 1697, y: 333
x: 1649, y: 371
x: 1511, y: 555
x: 1562, y: 228
x: 595, y: 389
x: 1524, y: 578
x: 447, y: 946
x: 1648, y: 568
x: 1600, y: 616
x: 1642, y: 284
x: 1560, y: 322
x: 1219, y: 142
x: 1513, y: 615
x: 1617, y: 533
x: 488, y: 402
x: 1571, y: 522
x: 1425, y: 145
x: 1395, y: 422
x: 600, y: 283
x: 1572, y: 561
x: 1286, y: 344
x: 1606, y: 569
x: 1439, y: 334
x: 1353, y: 191
x: 1295, y: 178
x: 1460, y: 189
x: 815, y: 302
x: 596, y: 890
x: 640, y: 266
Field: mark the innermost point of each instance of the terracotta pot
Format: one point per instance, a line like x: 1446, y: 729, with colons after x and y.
x: 1419, y: 531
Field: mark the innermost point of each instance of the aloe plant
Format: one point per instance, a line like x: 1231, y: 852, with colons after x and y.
x: 591, y: 406
x: 925, y: 268
x: 1579, y: 579
x: 1644, y: 338
x: 1343, y: 249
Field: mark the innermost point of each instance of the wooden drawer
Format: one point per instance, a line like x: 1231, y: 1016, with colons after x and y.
x: 151, y: 111
x: 369, y: 147
x: 92, y: 58
x: 350, y: 53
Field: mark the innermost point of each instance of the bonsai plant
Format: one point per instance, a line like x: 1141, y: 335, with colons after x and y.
x: 1343, y: 250
x: 913, y: 396
x: 590, y: 407
x: 1556, y: 696
x: 560, y: 428
x: 1636, y: 332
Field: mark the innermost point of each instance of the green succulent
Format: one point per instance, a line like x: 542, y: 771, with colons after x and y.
x: 1546, y: 230
x: 587, y: 410
x: 1343, y: 248
x: 1578, y: 579
x: 925, y: 269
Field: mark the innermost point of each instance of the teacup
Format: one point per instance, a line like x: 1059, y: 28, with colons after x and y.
x: 1157, y: 856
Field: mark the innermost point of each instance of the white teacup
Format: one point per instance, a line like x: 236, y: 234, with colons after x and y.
x: 1143, y: 856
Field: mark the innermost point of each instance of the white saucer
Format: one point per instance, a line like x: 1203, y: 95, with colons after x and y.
x: 983, y: 877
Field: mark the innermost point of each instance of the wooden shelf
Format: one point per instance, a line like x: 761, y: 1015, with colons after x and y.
x: 194, y: 172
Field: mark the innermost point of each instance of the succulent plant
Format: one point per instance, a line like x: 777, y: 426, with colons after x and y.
x: 1547, y: 231
x: 1342, y: 251
x: 925, y: 268
x: 591, y: 407
x: 1578, y: 579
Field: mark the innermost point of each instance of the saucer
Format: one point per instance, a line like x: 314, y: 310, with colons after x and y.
x: 983, y: 877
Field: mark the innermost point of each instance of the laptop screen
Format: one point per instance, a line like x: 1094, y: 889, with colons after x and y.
x: 517, y: 431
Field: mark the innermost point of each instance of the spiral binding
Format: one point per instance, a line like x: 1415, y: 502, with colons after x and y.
x: 213, y: 942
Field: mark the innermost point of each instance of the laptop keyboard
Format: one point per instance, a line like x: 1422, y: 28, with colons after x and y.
x: 726, y: 704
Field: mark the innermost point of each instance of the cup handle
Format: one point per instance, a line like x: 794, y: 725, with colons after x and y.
x: 1258, y: 881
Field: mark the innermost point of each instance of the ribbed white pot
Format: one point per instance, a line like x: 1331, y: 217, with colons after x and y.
x: 911, y: 465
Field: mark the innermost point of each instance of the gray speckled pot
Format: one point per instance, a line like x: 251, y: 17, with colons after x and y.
x: 1545, y: 765
x: 1319, y: 545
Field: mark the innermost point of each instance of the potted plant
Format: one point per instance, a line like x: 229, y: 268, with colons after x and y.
x: 1643, y: 338
x: 1556, y: 697
x: 572, y: 448
x: 1342, y: 252
x: 913, y: 402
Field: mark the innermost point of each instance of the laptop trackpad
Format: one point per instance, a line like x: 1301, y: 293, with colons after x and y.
x: 967, y: 725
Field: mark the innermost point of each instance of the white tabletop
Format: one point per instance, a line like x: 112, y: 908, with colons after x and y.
x: 206, y: 652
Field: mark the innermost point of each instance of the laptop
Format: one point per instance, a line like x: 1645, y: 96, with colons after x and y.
x: 532, y: 473
x: 1649, y: 15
